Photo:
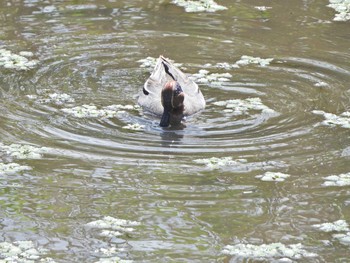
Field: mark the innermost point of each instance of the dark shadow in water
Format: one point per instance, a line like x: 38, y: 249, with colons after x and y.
x: 172, y: 136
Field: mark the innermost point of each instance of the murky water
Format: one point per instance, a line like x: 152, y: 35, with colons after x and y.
x: 188, y: 210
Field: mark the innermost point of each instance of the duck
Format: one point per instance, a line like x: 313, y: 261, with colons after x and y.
x: 170, y: 94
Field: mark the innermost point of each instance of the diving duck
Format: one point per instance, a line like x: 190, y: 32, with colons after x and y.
x: 169, y: 93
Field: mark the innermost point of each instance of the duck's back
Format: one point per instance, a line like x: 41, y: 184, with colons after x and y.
x: 164, y: 71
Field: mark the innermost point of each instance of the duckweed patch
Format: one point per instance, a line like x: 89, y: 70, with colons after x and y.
x: 273, y: 177
x: 112, y: 227
x: 199, y: 6
x: 342, y: 7
x: 21, y: 61
x: 23, y: 151
x: 243, y: 61
x: 343, y: 120
x: 268, y: 251
x: 91, y: 111
x: 337, y: 180
x: 11, y: 168
x: 204, y: 76
x: 22, y: 251
x: 242, y: 107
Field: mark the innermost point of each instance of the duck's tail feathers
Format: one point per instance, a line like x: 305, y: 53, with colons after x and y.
x: 166, y: 68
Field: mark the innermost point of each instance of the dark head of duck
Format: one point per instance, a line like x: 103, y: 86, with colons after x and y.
x: 173, y: 103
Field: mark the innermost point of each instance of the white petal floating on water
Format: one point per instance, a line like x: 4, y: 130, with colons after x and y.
x: 108, y: 222
x: 204, y: 76
x: 266, y: 251
x: 340, y: 225
x: 112, y: 227
x: 247, y: 60
x: 91, y: 111
x: 23, y: 151
x: 114, y: 259
x: 343, y: 238
x: 241, y: 107
x: 26, y: 54
x: 199, y: 5
x: 52, y: 98
x: 22, y: 252
x: 331, y: 119
x: 343, y: 9
x: 134, y: 127
x: 273, y: 177
x: 11, y: 168
x: 262, y: 8
x: 215, y: 163
x: 10, y: 60
x: 118, y: 107
x: 337, y: 180
x: 150, y: 63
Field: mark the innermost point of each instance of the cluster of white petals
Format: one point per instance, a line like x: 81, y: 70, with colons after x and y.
x: 19, y: 61
x: 199, y: 5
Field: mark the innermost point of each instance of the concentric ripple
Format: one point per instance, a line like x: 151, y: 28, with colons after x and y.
x: 259, y: 167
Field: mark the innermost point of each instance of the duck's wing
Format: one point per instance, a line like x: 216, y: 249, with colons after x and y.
x: 150, y: 96
x: 194, y: 100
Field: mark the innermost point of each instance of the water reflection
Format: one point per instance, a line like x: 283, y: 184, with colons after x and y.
x: 189, y: 210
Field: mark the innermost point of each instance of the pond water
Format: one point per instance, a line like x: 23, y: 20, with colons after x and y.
x: 260, y: 169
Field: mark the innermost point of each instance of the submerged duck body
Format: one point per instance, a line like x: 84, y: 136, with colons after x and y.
x: 169, y: 93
